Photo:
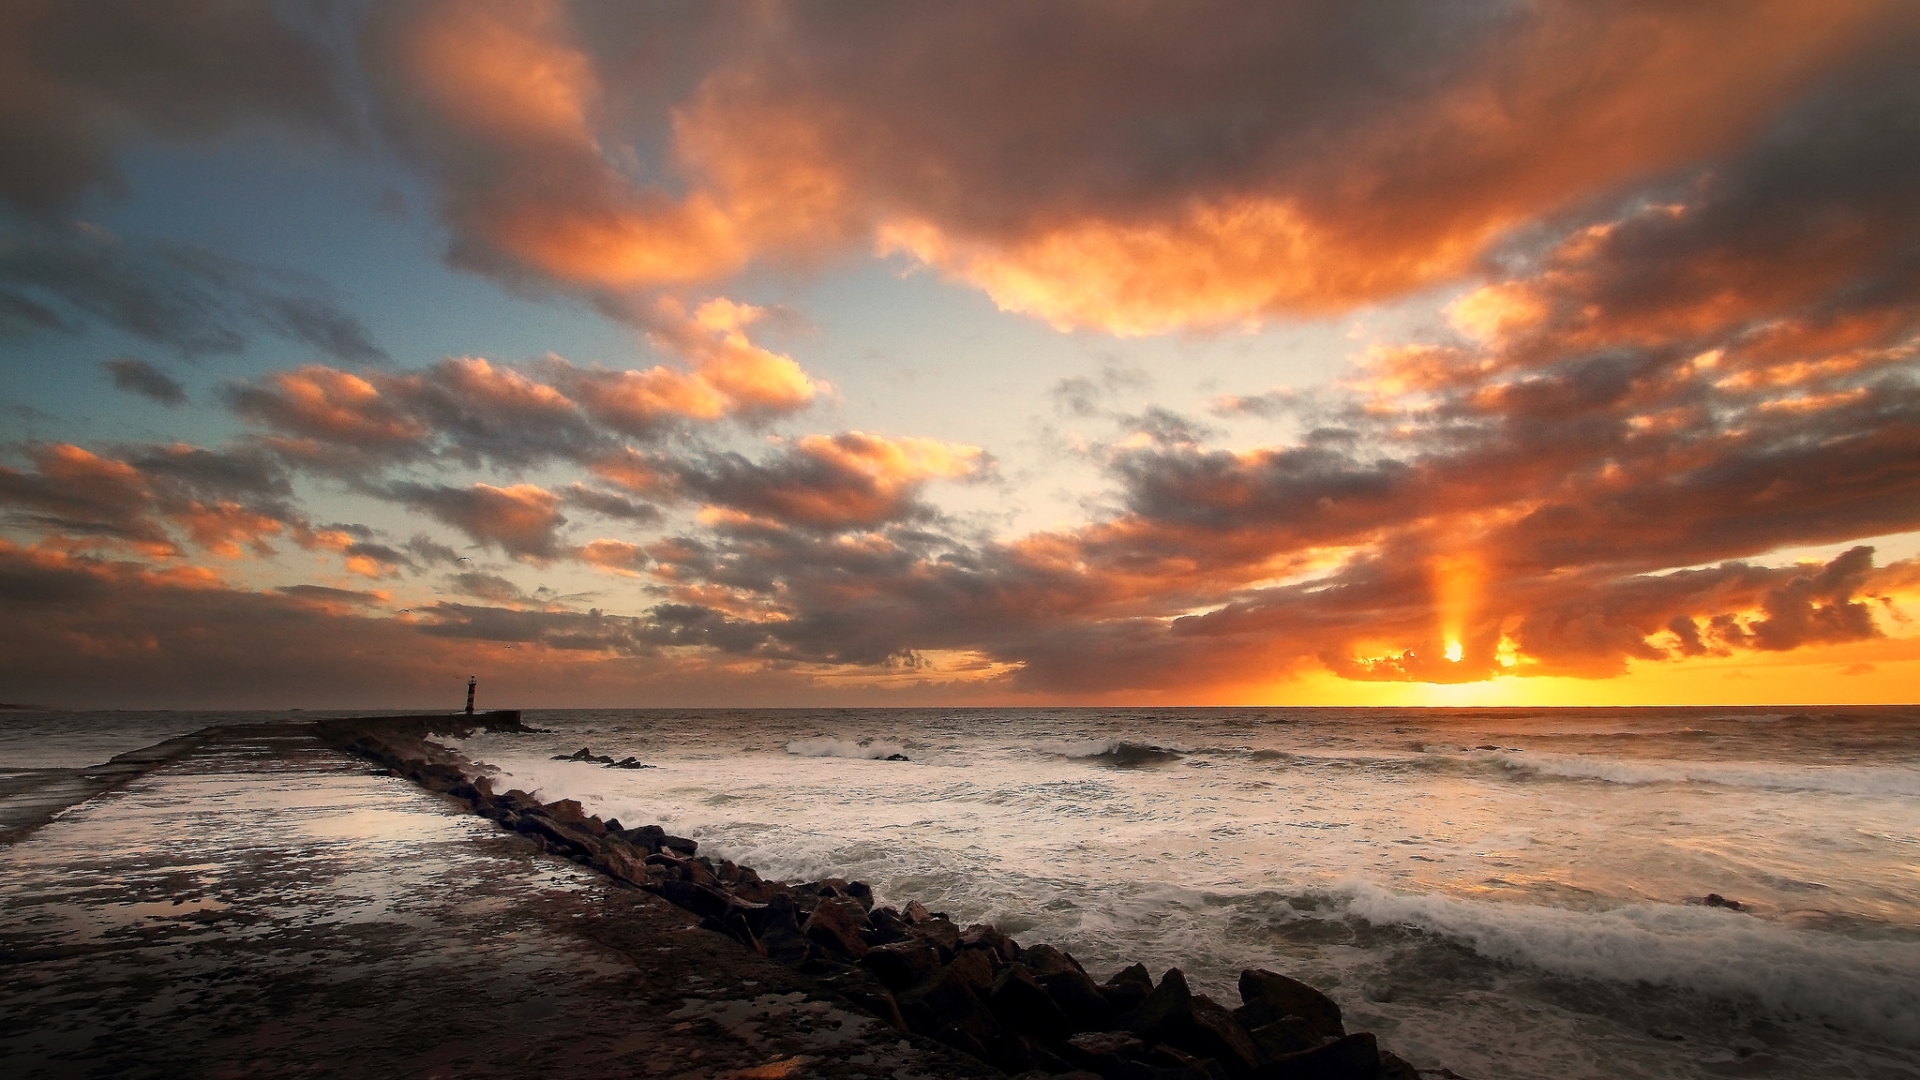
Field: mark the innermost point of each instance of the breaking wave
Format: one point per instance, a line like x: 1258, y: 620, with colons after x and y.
x: 1866, y: 985
x: 870, y: 749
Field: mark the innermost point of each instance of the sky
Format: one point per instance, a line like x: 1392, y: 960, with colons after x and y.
x: 1370, y: 352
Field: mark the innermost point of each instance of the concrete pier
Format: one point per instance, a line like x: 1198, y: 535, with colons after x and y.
x: 253, y: 903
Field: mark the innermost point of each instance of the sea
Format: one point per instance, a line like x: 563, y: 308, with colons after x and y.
x: 1564, y: 893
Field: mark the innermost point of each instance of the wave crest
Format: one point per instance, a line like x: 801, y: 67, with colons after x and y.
x: 868, y: 749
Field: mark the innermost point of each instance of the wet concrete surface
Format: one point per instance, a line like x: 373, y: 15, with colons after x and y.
x: 261, y: 905
x: 29, y: 798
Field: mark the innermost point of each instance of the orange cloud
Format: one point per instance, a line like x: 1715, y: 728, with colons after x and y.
x: 617, y: 556
x: 1383, y: 154
x: 522, y: 520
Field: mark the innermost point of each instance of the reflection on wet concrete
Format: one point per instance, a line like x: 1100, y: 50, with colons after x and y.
x: 263, y: 905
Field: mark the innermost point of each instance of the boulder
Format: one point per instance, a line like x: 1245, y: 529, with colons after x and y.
x: 861, y: 988
x: 973, y: 969
x: 861, y: 892
x: 1395, y: 1067
x: 734, y: 925
x: 916, y: 912
x: 1169, y: 1057
x: 1086, y: 1008
x: 558, y: 837
x: 1168, y: 1005
x: 702, y: 900
x: 1269, y: 996
x: 982, y: 936
x: 779, y: 931
x: 1021, y: 1003
x: 1352, y: 1057
x: 1046, y: 960
x: 654, y: 839
x: 1194, y: 1023
x: 623, y: 862
x: 889, y: 926
x: 1287, y: 1035
x: 939, y: 933
x: 1215, y: 1034
x: 964, y: 1041
x: 944, y: 1002
x: 685, y: 869
x: 839, y: 925
x: 749, y: 887
x: 901, y: 964
x: 1011, y: 1053
x: 1127, y: 988
x: 1104, y: 1052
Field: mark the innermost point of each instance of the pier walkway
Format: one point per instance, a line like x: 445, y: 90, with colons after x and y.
x: 257, y: 904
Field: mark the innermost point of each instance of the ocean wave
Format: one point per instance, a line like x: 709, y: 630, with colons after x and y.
x: 871, y: 749
x: 1871, y: 986
x: 1116, y: 752
x: 1879, y: 781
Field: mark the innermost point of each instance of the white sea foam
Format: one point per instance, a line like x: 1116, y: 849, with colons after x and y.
x: 1866, y: 985
x: 1074, y: 748
x: 1880, y: 781
x: 1572, y: 865
x: 873, y: 749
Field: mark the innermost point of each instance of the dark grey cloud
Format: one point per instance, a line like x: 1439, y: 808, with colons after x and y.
x: 139, y: 377
x: 169, y: 293
x: 610, y: 504
x: 524, y: 521
x: 82, y: 79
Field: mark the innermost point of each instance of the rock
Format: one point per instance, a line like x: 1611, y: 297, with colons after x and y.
x: 1714, y: 899
x: 1021, y: 1003
x: 1193, y: 1023
x: 749, y: 887
x: 1353, y: 1057
x: 1046, y: 960
x: 889, y: 926
x: 1270, y: 996
x: 964, y: 1041
x: 734, y: 925
x: 779, y: 931
x: 558, y: 837
x: 895, y: 757
x: 1127, y: 988
x: 1394, y: 1067
x: 1086, y: 1008
x: 628, y: 763
x: 1168, y: 1057
x: 623, y: 862
x: 861, y: 988
x: 655, y: 839
x: 1287, y: 1035
x: 973, y: 969
x: 1011, y: 1053
x: 901, y: 964
x: 1104, y: 1052
x: 839, y: 925
x: 694, y: 870
x: 943, y: 1002
x: 916, y: 912
x: 861, y: 892
x: 1169, y: 1004
x: 703, y: 900
x: 571, y: 813
x: 941, y: 934
x: 1217, y: 1035
x: 982, y: 936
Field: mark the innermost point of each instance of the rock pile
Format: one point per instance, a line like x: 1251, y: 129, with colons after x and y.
x: 606, y: 760
x: 1025, y: 1009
